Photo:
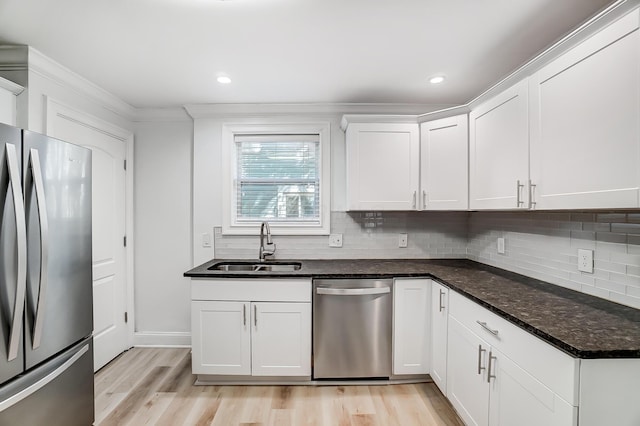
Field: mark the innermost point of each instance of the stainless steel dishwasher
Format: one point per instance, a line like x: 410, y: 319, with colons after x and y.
x: 352, y: 328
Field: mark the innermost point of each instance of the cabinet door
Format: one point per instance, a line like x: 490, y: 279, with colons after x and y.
x: 499, y: 151
x: 439, y: 320
x: 467, y: 387
x: 444, y: 165
x: 517, y: 398
x: 382, y: 166
x: 585, y: 123
x: 411, y: 302
x: 220, y: 337
x: 281, y: 339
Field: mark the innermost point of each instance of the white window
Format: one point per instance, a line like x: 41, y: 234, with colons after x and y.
x: 279, y: 174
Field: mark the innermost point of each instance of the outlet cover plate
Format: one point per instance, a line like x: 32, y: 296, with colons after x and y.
x: 501, y: 245
x: 403, y: 240
x: 335, y: 240
x: 585, y: 261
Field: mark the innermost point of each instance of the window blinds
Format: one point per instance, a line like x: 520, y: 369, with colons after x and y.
x: 278, y: 178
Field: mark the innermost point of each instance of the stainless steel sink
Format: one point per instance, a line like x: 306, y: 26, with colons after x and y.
x: 256, y: 266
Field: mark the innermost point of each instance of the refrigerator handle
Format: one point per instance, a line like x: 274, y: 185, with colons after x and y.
x: 14, y: 399
x: 34, y: 178
x: 21, y: 233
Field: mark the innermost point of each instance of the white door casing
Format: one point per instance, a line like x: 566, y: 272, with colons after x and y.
x: 111, y: 294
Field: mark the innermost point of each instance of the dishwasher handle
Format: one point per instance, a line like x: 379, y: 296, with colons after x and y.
x: 352, y: 291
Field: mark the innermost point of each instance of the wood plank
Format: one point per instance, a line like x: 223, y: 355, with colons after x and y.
x: 155, y: 386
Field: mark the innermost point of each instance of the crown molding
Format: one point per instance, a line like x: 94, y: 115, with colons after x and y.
x: 56, y: 72
x: 376, y: 118
x: 244, y: 110
x: 444, y: 113
x: 161, y: 114
x: 12, y: 87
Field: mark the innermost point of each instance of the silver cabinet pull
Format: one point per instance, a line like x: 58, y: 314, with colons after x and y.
x: 519, y: 203
x: 21, y: 242
x: 352, y: 291
x: 424, y: 199
x: 255, y: 316
x: 480, y: 351
x: 489, y: 374
x: 244, y: 315
x: 34, y: 179
x: 532, y: 204
x: 440, y: 301
x: 486, y: 327
x: 414, y: 199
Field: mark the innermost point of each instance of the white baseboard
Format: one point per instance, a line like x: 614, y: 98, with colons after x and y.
x: 162, y: 339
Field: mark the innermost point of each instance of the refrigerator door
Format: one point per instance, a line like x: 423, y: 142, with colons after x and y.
x: 10, y: 149
x: 57, y: 393
x: 57, y: 177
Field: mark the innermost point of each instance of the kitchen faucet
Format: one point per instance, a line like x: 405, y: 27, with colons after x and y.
x: 264, y: 252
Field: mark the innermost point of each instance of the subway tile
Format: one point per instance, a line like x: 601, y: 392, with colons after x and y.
x: 611, y: 286
x: 594, y: 291
x: 611, y: 217
x: 626, y: 228
x: 624, y: 299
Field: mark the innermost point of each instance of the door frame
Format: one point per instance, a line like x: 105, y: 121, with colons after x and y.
x: 55, y: 108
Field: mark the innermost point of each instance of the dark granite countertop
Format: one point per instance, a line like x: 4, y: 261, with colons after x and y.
x: 581, y: 325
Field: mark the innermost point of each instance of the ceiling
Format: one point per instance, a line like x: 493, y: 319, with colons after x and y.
x: 163, y: 53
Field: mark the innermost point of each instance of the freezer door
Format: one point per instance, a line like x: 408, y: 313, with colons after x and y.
x: 57, y: 393
x: 11, y: 301
x: 57, y: 178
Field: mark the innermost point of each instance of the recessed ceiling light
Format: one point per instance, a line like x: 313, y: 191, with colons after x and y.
x: 223, y: 79
x: 436, y: 79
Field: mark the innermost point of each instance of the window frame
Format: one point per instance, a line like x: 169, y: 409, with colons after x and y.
x: 230, y: 223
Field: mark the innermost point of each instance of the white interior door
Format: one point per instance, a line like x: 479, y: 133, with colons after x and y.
x: 109, y: 219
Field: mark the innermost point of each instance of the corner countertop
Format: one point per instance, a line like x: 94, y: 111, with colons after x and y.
x: 581, y: 325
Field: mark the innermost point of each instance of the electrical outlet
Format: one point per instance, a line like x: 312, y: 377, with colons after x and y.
x: 501, y: 245
x: 402, y: 240
x: 585, y: 260
x: 335, y: 240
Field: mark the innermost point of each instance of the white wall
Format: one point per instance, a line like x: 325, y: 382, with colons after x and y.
x: 163, y: 231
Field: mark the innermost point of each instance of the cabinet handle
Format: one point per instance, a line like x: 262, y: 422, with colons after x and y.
x: 441, y: 304
x: 489, y: 375
x: 480, y: 367
x: 532, y: 204
x: 255, y: 315
x: 486, y: 327
x: 518, y: 187
x: 244, y: 315
x: 424, y: 199
x: 415, y: 193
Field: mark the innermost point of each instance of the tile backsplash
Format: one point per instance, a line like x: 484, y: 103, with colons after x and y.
x: 542, y: 245
x: 366, y: 235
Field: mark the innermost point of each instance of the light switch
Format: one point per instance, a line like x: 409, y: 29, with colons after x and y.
x: 500, y: 245
x: 206, y: 239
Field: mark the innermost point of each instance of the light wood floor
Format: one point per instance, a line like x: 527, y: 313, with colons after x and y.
x: 155, y: 387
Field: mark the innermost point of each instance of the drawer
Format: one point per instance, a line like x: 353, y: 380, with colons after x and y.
x: 254, y: 290
x: 552, y: 367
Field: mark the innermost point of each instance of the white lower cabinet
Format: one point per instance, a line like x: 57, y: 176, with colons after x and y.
x: 498, y: 375
x: 251, y: 338
x: 280, y: 339
x: 411, y: 329
x: 439, y: 321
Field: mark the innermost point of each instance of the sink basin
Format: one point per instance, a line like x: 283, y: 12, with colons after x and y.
x: 256, y: 266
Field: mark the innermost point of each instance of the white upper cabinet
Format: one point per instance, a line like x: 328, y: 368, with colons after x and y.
x: 382, y: 166
x: 444, y: 164
x: 585, y: 123
x: 499, y: 151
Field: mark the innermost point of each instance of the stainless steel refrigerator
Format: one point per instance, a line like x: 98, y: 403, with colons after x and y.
x: 46, y: 318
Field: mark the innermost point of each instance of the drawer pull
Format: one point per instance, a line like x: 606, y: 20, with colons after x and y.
x: 486, y: 327
x: 244, y: 315
x: 441, y: 304
x: 489, y: 375
x: 480, y: 367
